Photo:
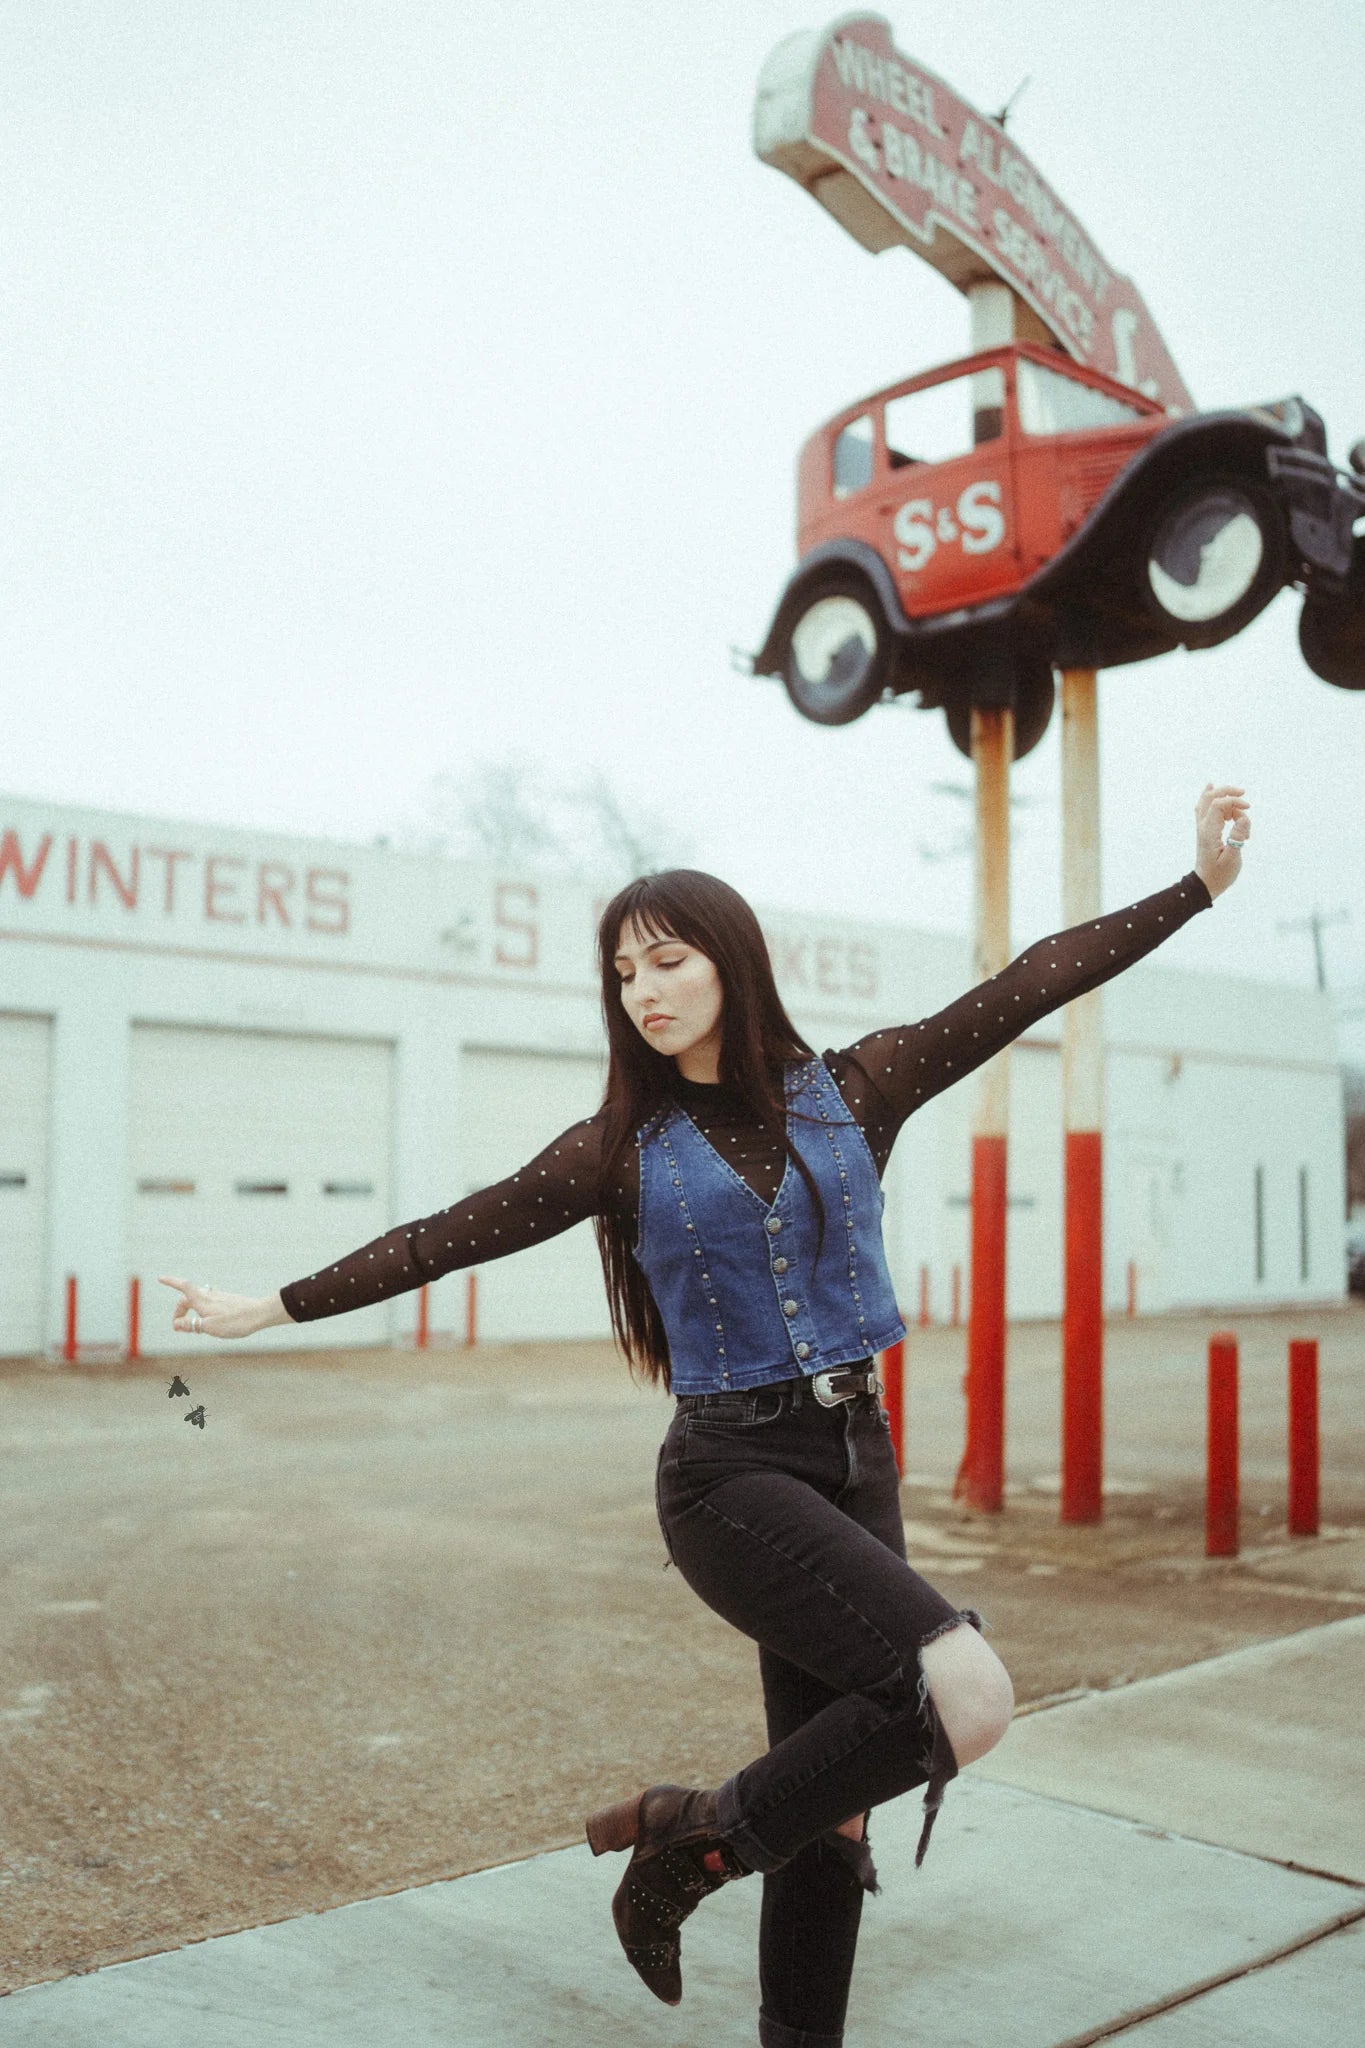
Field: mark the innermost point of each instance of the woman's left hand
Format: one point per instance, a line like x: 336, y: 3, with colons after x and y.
x: 1217, y: 860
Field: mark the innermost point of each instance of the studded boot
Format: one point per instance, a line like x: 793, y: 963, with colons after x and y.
x: 679, y: 1856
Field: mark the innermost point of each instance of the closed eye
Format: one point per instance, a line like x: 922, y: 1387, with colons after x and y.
x: 626, y: 979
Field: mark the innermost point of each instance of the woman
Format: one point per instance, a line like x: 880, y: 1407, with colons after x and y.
x: 734, y: 1182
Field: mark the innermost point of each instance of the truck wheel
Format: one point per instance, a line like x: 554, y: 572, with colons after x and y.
x: 838, y: 651
x: 1034, y: 694
x: 1332, y: 640
x: 1211, y: 558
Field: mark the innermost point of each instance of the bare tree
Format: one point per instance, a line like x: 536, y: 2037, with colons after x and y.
x: 494, y: 812
x: 632, y: 842
x: 1353, y: 1090
x: 502, y: 811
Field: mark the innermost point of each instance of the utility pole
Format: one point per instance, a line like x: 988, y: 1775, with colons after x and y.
x: 1315, y: 925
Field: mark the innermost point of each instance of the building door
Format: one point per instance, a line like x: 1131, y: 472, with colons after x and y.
x: 515, y: 1104
x: 257, y: 1158
x: 25, y: 1103
x: 1148, y: 1217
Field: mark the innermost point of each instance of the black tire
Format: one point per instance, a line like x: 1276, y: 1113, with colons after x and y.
x: 1332, y: 640
x: 1034, y: 695
x: 1210, y: 557
x: 838, y: 652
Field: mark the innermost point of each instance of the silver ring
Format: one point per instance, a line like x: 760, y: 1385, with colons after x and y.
x: 195, y: 1321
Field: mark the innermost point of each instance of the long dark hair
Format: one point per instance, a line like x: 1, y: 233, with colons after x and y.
x: 757, y: 1039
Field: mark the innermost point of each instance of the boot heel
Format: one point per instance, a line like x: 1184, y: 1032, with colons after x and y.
x: 615, y: 1827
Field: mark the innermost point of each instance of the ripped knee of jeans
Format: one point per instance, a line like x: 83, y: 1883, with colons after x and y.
x: 856, y: 1856
x: 940, y: 1764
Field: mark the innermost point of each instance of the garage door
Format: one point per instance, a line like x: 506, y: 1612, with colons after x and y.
x: 515, y: 1103
x: 256, y: 1158
x: 25, y: 1096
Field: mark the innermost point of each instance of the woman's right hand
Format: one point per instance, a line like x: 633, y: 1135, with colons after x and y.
x: 220, y: 1314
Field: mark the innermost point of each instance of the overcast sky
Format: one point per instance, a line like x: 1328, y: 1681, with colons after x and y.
x: 392, y: 386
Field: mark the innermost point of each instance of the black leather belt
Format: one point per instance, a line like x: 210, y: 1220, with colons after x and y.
x: 832, y: 1386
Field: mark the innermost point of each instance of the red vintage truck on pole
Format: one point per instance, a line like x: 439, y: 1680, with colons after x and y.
x: 1017, y: 508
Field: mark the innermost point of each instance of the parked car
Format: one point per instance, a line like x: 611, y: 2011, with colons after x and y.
x: 979, y: 525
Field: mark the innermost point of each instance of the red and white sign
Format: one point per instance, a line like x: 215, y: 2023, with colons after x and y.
x: 898, y: 158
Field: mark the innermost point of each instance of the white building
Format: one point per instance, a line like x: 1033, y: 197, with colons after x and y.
x: 233, y: 1056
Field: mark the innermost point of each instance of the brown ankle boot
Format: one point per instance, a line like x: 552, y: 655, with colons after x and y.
x: 679, y: 1857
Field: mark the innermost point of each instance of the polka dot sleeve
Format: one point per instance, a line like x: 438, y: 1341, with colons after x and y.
x: 545, y: 1197
x: 892, y: 1073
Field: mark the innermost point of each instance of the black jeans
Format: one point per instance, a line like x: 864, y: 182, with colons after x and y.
x: 785, y: 1517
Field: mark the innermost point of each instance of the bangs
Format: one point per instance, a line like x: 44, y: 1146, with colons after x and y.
x: 642, y: 903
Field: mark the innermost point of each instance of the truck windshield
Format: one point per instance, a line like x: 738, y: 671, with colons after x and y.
x: 1050, y: 403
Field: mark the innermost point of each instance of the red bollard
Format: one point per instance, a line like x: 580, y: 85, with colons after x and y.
x: 1303, y: 1436
x: 69, y: 1346
x: 924, y: 1297
x: 1220, y: 1501
x: 893, y: 1380
x: 134, y: 1320
x: 423, y: 1317
x: 1083, y: 1331
x: 1132, y: 1289
x: 471, y: 1309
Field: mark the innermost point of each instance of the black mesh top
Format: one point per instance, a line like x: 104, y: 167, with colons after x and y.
x: 883, y: 1078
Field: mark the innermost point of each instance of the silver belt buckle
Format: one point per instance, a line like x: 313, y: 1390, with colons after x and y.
x: 820, y: 1387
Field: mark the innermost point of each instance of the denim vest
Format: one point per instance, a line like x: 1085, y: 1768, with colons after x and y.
x: 736, y: 1282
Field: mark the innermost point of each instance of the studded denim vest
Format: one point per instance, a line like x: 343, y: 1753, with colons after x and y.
x: 742, y: 1296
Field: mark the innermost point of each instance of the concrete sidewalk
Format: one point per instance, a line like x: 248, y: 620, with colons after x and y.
x: 1119, y: 1865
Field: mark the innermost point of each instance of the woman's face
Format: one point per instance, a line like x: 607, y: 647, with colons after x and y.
x: 672, y: 995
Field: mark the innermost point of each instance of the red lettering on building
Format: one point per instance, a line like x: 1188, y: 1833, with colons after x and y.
x: 337, y: 907
x: 273, y: 892
x: 216, y: 885
x: 26, y: 879
x: 827, y: 952
x: 102, y: 861
x: 529, y: 949
x: 71, y: 845
x: 170, y: 855
x: 862, y: 961
x: 789, y: 963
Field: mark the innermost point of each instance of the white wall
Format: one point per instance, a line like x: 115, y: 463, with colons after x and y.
x: 110, y: 922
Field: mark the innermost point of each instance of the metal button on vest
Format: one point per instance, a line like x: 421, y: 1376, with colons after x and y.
x: 773, y: 1225
x: 779, y: 1265
x: 803, y: 1350
x: 789, y: 1308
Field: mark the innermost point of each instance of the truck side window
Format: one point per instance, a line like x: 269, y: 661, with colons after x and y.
x: 853, y: 452
x: 946, y: 419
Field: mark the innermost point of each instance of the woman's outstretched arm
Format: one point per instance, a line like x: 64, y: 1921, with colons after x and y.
x: 906, y: 1064
x: 547, y: 1196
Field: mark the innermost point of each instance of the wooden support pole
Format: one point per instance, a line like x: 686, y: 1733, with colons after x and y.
x: 980, y: 1478
x: 1083, y: 1119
